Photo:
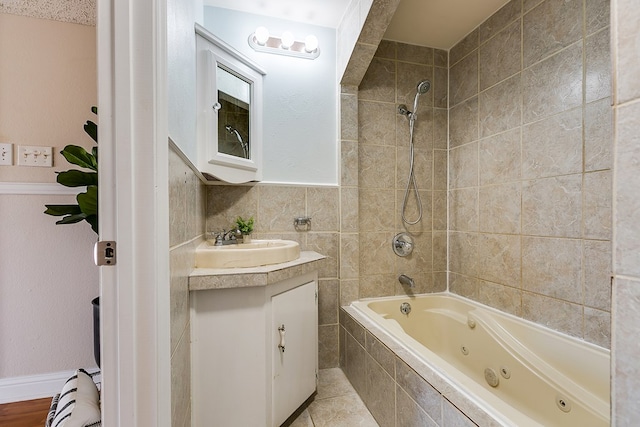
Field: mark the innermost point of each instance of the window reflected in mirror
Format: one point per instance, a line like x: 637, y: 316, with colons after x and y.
x: 234, y: 98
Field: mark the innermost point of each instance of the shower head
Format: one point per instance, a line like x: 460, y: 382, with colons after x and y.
x: 423, y: 87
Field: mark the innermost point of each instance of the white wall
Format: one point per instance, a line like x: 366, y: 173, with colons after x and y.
x: 47, y: 280
x: 300, y: 98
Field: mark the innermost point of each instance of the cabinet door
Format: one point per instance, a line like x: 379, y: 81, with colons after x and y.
x: 295, y: 320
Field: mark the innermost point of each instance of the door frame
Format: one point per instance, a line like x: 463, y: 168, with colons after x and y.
x: 133, y: 207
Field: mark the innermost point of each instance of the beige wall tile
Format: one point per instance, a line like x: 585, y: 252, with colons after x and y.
x: 464, y: 47
x: 440, y: 126
x: 553, y: 313
x: 597, y: 274
x: 349, y: 292
x: 181, y: 380
x: 463, y: 123
x: 500, y: 208
x: 327, y: 244
x: 349, y: 217
x: 322, y: 207
x: 328, y: 295
x: 625, y: 387
x: 387, y: 49
x: 427, y: 398
x: 596, y: 210
x: 328, y: 346
x: 499, y: 258
x: 380, y: 285
x: 439, y: 210
x: 380, y: 386
x: 597, y: 327
x: 463, y: 208
x: 553, y: 85
x: 348, y: 117
x: 500, y: 158
x: 553, y: 25
x: 463, y: 253
x: 627, y: 183
x: 383, y: 217
x: 500, y: 56
x: 501, y: 297
x: 378, y: 83
x: 500, y: 107
x: 503, y: 17
x: 226, y: 202
x: 439, y: 245
x: 598, y: 135
x: 597, y: 15
x: 598, y: 66
x: 277, y: 207
x: 553, y: 146
x: 349, y: 163
x: 377, y: 166
x: 423, y: 129
x: 376, y: 256
x: 464, y: 285
x: 463, y: 163
x: 553, y: 267
x: 411, y: 212
x: 552, y: 206
x: 377, y: 123
x: 349, y: 256
x: 463, y: 79
x: 626, y: 58
x: 440, y: 87
x: 413, y: 53
x: 440, y: 58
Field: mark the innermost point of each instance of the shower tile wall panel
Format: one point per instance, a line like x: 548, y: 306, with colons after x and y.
x: 625, y: 385
x: 530, y: 165
x: 187, y: 203
x: 383, y: 167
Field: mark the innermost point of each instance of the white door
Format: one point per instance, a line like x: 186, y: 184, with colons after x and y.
x: 295, y: 349
x: 133, y: 212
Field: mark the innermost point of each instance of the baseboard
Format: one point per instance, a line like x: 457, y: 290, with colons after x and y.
x: 17, y: 389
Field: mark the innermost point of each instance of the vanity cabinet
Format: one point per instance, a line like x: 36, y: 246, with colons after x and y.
x: 254, y: 352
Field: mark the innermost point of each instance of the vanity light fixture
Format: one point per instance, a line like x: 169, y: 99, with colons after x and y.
x: 262, y: 41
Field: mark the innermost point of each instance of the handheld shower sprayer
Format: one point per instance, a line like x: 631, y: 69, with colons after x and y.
x: 422, y: 88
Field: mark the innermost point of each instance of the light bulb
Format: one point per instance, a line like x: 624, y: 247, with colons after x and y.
x: 310, y: 43
x: 262, y: 35
x: 287, y: 40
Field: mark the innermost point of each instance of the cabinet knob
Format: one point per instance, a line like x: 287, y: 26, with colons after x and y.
x: 217, y: 107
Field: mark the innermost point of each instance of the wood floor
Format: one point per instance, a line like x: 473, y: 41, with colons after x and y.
x: 30, y: 413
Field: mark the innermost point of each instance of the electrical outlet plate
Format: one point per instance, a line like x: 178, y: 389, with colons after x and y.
x: 6, y: 154
x: 31, y: 155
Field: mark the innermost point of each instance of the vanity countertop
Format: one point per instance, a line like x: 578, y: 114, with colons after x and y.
x: 225, y: 278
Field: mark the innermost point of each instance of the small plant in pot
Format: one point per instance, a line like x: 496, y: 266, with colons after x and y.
x: 86, y: 208
x: 245, y: 227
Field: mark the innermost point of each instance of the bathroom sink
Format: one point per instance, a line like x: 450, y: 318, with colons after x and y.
x: 253, y: 254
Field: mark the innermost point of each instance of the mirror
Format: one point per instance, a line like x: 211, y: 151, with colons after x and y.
x: 229, y: 118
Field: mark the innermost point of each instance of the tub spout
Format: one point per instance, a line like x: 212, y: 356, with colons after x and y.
x: 406, y: 280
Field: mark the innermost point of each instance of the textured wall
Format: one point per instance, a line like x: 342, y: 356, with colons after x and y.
x: 72, y: 11
x: 47, y: 276
x: 530, y: 165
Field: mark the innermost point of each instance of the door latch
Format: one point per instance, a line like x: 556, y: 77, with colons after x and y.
x: 104, y: 253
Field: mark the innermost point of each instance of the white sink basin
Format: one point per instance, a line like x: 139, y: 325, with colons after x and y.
x: 254, y: 254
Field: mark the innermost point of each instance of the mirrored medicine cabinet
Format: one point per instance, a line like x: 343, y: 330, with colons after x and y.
x: 229, y: 111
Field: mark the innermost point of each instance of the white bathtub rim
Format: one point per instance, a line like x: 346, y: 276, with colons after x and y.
x: 588, y: 344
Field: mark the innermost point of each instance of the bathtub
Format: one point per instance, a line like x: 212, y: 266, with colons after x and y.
x: 515, y: 372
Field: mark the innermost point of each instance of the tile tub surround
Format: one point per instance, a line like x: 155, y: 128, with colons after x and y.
x: 530, y: 165
x: 398, y: 389
x: 383, y: 166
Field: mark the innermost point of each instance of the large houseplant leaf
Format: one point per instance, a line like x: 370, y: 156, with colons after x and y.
x: 87, y: 207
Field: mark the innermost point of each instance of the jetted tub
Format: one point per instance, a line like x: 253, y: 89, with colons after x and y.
x: 518, y: 372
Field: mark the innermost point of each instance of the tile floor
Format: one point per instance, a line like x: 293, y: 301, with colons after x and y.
x: 336, y: 404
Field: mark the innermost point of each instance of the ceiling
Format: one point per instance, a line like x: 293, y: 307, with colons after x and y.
x: 434, y: 23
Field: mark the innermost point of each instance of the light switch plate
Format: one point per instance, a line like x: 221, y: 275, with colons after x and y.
x: 6, y: 153
x: 31, y: 155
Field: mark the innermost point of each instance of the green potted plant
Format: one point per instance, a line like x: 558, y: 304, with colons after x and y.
x: 86, y: 208
x: 245, y: 227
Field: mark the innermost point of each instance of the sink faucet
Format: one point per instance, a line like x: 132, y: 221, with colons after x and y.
x: 227, y: 237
